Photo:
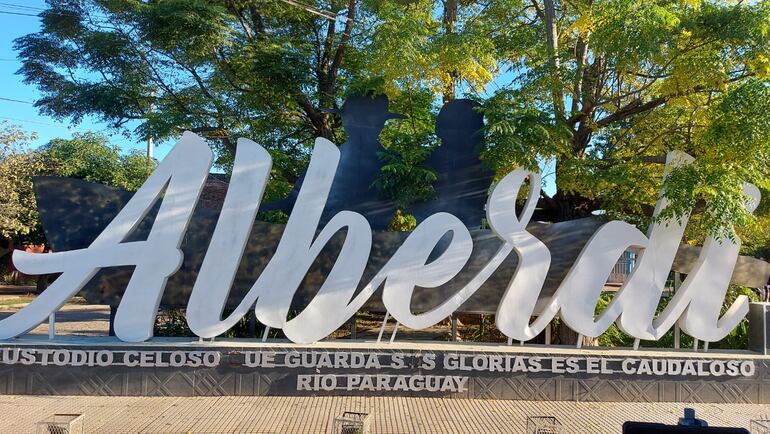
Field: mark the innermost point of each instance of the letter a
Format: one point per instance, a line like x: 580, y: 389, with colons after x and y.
x: 181, y: 174
x: 703, y: 292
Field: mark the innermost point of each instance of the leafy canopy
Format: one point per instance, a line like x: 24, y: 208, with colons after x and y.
x: 88, y: 156
x: 18, y: 213
x: 619, y: 84
x: 92, y: 158
x: 601, y: 90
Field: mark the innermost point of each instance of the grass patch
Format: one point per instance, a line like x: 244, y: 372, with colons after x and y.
x: 24, y: 299
x: 17, y: 300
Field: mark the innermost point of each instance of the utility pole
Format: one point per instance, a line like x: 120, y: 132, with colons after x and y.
x: 150, y: 145
x: 150, y: 141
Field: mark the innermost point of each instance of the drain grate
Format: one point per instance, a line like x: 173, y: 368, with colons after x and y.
x: 61, y: 424
x: 543, y: 425
x: 352, y: 423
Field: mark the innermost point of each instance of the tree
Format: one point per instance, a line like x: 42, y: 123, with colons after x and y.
x: 19, y: 220
x: 90, y: 157
x: 223, y: 69
x: 605, y: 88
x: 600, y: 90
x: 86, y: 156
x: 266, y: 70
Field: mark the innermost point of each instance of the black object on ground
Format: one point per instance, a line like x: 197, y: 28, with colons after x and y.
x: 687, y: 425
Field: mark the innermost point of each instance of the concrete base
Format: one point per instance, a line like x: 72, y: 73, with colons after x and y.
x: 759, y: 327
x: 184, y: 367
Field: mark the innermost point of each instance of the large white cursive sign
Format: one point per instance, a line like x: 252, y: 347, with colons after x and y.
x: 179, y: 179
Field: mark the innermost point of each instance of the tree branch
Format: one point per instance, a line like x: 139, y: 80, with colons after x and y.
x: 238, y: 13
x: 352, y: 4
x: 256, y: 18
x: 636, y: 106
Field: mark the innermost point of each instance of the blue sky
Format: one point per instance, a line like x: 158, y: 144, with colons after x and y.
x: 25, y: 115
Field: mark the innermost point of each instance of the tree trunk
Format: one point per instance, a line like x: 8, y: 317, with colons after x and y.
x: 567, y: 336
x: 572, y: 206
x: 450, y: 21
x: 42, y: 280
x: 41, y: 284
x: 552, y: 38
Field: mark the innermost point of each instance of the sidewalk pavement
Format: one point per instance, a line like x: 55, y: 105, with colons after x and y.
x: 114, y: 415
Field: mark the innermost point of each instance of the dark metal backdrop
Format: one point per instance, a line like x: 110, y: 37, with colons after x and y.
x: 74, y: 212
x: 363, y: 119
x: 74, y: 219
x: 463, y: 182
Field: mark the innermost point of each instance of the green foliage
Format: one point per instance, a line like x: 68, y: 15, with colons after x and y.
x: 223, y: 69
x: 91, y: 158
x: 601, y: 90
x: 625, y: 83
x: 171, y: 322
x: 486, y: 325
x: 739, y: 336
x: 273, y: 216
x: 262, y: 70
x: 18, y: 213
x: 734, y: 149
x: 86, y: 156
x: 756, y: 237
x: 513, y: 126
x: 402, y: 221
x: 403, y: 178
x: 737, y: 339
x: 410, y: 48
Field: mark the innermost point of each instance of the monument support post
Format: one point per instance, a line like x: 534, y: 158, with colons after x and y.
x: 677, y: 331
x: 113, y: 311
x: 252, y: 324
x: 759, y: 327
x: 52, y: 326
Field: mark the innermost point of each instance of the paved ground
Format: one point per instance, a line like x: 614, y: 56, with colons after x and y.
x: 73, y: 319
x: 18, y: 414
